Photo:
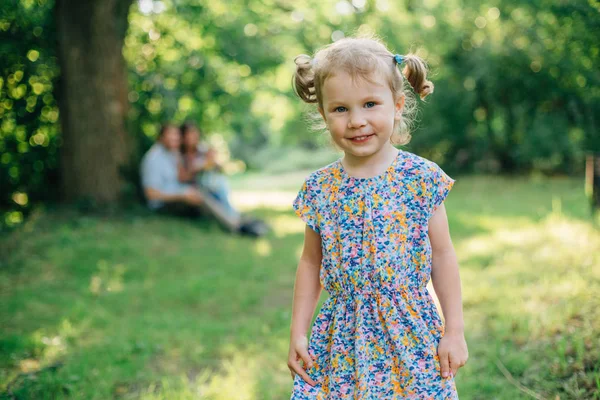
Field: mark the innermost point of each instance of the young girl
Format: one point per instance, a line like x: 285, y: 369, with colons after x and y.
x: 376, y: 233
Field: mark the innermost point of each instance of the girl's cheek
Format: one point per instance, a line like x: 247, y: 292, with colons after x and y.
x: 338, y: 124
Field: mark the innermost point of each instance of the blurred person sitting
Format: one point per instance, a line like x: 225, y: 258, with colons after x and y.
x: 165, y: 191
x: 201, y: 168
x: 200, y: 165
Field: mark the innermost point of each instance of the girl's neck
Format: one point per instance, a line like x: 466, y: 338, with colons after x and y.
x: 372, y: 165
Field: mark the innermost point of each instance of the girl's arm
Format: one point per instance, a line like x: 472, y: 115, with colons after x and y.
x: 307, y: 290
x: 446, y: 282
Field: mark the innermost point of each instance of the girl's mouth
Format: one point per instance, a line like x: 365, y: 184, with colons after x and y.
x: 361, y: 139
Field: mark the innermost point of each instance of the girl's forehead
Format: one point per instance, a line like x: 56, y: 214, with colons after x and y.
x: 344, y: 84
x: 358, y: 78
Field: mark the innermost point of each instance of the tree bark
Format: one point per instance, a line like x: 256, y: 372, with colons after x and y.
x: 92, y: 97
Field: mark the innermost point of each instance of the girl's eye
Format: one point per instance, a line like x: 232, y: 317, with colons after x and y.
x: 370, y: 104
x: 339, y: 109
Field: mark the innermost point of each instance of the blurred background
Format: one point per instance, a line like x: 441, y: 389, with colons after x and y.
x: 100, y: 299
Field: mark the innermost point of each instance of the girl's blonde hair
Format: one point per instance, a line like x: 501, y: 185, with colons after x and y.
x: 361, y: 57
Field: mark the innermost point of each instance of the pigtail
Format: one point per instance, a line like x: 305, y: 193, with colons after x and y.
x: 304, y: 79
x: 415, y: 72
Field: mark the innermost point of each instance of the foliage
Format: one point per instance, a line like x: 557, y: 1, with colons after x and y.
x: 29, y: 141
x: 516, y: 88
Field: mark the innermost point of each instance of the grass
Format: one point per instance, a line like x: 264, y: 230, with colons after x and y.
x: 147, y: 307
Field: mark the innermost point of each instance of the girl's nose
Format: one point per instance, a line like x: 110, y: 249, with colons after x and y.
x: 357, y: 120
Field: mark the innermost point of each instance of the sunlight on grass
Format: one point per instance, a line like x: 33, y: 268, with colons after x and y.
x: 47, y: 348
x: 236, y: 379
x: 263, y: 247
x: 534, y: 286
x: 489, y: 222
x: 284, y: 225
x: 107, y: 278
x: 544, y: 241
x: 274, y: 200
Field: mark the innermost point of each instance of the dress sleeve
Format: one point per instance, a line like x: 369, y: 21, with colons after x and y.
x: 305, y: 206
x: 438, y: 185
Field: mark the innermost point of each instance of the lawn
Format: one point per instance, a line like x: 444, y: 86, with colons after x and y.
x: 134, y: 306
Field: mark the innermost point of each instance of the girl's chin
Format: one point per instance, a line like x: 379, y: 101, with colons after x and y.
x: 361, y: 152
x: 364, y: 149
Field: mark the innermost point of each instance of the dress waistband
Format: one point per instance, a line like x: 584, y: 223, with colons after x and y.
x: 374, y: 291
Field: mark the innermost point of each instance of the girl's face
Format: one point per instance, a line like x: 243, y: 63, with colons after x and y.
x: 360, y: 113
x: 191, y: 138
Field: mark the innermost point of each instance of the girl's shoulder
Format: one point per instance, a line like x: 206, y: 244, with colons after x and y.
x: 323, y: 178
x: 412, y: 166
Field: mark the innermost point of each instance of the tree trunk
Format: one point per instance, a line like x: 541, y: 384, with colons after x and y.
x: 92, y: 97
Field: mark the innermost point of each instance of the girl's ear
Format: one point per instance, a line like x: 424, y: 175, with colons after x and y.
x: 399, y: 108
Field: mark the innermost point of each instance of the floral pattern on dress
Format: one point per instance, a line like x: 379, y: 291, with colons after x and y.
x: 376, y: 336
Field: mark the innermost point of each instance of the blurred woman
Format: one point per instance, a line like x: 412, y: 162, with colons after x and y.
x: 200, y: 166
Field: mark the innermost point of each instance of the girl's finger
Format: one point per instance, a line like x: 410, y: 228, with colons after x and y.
x: 454, y: 366
x: 445, y: 364
x: 306, y: 358
x: 295, y: 366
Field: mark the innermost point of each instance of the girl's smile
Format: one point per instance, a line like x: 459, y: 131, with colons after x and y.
x: 361, y: 139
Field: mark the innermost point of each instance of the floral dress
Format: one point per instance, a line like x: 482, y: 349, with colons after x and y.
x: 376, y: 336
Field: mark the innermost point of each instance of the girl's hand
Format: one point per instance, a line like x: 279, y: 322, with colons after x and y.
x: 453, y: 353
x: 299, y: 351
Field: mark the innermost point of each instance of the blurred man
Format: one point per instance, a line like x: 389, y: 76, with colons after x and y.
x: 160, y: 172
